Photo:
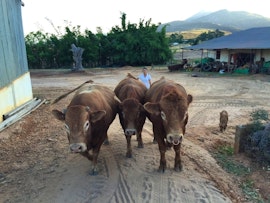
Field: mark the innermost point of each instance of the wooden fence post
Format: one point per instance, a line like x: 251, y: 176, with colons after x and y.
x: 239, y: 139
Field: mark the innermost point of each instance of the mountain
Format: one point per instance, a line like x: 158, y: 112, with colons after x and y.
x: 200, y: 14
x: 225, y: 20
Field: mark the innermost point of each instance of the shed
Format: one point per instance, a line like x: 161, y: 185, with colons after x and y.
x: 15, y: 81
x: 247, y: 46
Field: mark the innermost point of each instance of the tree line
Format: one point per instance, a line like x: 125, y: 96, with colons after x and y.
x: 129, y: 44
x: 205, y: 36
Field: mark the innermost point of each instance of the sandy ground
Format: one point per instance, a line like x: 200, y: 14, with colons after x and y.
x: 36, y: 166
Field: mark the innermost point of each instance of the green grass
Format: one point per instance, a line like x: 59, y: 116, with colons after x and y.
x: 251, y: 193
x: 224, y: 158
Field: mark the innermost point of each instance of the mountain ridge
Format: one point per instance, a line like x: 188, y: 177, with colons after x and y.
x: 224, y: 20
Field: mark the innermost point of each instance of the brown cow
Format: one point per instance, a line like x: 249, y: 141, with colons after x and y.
x: 87, y: 119
x: 131, y: 92
x: 223, y: 120
x: 167, y: 104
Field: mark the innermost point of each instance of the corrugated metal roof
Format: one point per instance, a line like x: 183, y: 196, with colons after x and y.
x: 254, y: 38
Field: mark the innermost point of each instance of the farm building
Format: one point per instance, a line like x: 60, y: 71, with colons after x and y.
x: 240, y: 48
x: 15, y: 82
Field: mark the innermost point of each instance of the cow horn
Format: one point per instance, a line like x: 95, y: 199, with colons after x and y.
x: 87, y: 108
x: 64, y: 111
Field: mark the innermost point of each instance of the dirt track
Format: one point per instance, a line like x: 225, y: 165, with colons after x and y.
x: 36, y: 166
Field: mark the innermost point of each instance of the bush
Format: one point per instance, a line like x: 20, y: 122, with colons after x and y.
x: 258, y: 142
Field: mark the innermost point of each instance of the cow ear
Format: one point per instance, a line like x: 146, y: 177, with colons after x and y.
x: 58, y: 115
x: 189, y: 98
x: 152, y: 108
x: 97, y: 115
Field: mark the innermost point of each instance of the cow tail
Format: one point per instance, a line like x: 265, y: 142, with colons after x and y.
x: 64, y: 95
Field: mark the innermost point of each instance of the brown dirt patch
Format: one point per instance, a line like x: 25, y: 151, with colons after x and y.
x: 36, y: 166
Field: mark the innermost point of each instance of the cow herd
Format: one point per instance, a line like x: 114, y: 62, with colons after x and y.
x: 93, y: 108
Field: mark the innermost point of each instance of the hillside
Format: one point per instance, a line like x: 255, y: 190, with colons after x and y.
x: 224, y: 20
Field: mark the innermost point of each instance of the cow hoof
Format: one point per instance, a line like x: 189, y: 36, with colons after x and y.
x: 154, y: 141
x: 140, y: 145
x: 106, y: 142
x: 161, y: 169
x: 93, y: 172
x: 128, y: 155
x: 178, y: 168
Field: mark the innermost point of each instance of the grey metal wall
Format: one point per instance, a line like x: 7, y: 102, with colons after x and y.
x: 13, y: 60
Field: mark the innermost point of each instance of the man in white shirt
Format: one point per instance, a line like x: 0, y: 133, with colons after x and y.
x: 145, y: 78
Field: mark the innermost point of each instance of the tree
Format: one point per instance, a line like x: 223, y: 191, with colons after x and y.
x: 131, y: 44
x: 205, y: 36
x: 138, y: 44
x: 39, y: 50
x: 175, y: 37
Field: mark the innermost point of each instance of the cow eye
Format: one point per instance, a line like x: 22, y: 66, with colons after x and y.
x: 163, y: 116
x: 86, y: 125
x: 67, y: 128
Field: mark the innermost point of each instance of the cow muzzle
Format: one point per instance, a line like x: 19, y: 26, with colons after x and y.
x: 77, y: 147
x: 175, y: 139
x: 129, y: 132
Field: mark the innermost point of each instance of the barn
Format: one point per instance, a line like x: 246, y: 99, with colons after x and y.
x: 243, y: 47
x: 15, y: 81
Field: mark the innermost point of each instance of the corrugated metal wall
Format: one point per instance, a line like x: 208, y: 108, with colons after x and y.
x: 13, y: 61
x: 15, y: 81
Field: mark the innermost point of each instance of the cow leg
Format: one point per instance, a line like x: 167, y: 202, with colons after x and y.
x: 129, y: 151
x: 106, y: 142
x: 177, y: 161
x: 139, y: 132
x: 139, y: 139
x: 94, y: 170
x: 162, y: 150
x: 162, y: 163
x: 87, y: 155
x: 154, y: 140
x: 158, y: 132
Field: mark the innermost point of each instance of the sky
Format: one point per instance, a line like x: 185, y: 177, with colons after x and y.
x: 90, y: 14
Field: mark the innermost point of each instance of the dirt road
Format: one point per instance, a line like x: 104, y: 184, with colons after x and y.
x: 36, y: 166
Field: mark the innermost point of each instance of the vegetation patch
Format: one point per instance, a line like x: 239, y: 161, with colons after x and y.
x: 256, y: 146
x: 224, y: 158
x: 250, y: 192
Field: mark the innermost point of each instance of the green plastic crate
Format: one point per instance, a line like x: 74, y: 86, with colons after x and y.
x: 242, y: 71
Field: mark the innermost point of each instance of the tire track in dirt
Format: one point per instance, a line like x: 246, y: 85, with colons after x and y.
x: 137, y: 188
x: 118, y: 149
x: 123, y: 193
x: 222, y: 103
x: 140, y: 182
